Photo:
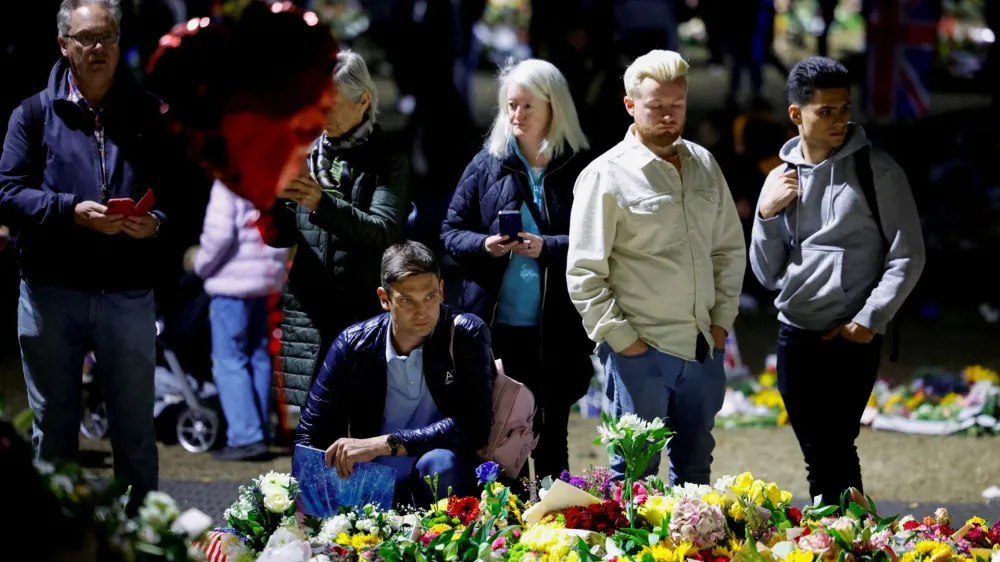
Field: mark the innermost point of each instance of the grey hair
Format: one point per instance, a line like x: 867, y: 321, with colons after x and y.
x: 544, y: 81
x: 66, y: 12
x: 353, y: 80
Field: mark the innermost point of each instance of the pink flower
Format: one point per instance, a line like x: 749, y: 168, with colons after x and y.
x: 499, y: 543
x: 639, y: 493
x: 817, y: 543
x: 881, y: 539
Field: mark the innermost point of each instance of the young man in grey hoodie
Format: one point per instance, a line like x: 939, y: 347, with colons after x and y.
x: 842, y: 267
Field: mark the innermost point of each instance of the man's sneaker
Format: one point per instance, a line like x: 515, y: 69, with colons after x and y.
x: 253, y: 451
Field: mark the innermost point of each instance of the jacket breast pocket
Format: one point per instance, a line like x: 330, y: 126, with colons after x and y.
x: 813, y: 283
x: 651, y: 208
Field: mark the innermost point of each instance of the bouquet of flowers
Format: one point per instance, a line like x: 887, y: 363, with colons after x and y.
x: 636, y: 441
x: 264, y: 506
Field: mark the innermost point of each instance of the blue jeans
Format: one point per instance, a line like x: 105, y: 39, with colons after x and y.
x: 242, y: 366
x: 56, y: 327
x: 453, y: 470
x: 686, y: 395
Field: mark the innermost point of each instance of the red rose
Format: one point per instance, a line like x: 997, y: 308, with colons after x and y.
x: 911, y: 526
x: 794, y: 515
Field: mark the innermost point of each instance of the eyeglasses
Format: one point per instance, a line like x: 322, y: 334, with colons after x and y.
x: 88, y: 39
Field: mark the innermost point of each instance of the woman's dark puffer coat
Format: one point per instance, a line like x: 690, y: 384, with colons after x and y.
x: 488, y: 186
x: 333, y: 280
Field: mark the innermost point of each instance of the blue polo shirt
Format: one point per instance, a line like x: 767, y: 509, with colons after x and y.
x: 408, y: 402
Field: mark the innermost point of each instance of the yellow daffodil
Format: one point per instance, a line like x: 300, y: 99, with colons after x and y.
x: 976, y: 521
x: 742, y: 483
x: 736, y: 511
x: 786, y: 497
x: 713, y: 498
x: 773, y: 493
x: 915, y: 401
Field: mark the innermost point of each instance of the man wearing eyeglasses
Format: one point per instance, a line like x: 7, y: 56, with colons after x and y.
x: 87, y: 268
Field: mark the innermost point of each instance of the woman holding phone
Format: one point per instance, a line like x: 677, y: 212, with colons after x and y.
x: 508, y: 227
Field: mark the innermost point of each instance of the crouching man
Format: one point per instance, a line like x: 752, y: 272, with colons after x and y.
x: 390, y: 392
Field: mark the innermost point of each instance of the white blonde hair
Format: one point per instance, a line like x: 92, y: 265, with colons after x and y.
x: 662, y: 66
x: 545, y: 82
x: 353, y: 80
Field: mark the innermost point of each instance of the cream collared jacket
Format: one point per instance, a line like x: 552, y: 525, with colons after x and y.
x: 653, y: 253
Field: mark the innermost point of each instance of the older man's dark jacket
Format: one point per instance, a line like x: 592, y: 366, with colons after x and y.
x: 348, y: 397
x: 51, y: 162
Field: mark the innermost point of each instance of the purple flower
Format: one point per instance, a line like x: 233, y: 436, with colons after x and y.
x: 578, y: 482
x: 564, y: 476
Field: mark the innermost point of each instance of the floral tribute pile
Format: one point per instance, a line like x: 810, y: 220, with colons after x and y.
x: 576, y: 518
x: 934, y: 403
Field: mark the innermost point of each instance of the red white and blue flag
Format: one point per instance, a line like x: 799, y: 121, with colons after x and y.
x: 901, y: 38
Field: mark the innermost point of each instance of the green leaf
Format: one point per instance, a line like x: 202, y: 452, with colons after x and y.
x: 857, y: 510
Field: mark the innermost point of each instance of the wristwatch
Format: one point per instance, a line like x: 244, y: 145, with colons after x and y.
x: 394, y: 443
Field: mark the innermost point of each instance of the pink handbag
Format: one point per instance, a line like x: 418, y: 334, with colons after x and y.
x: 512, y: 437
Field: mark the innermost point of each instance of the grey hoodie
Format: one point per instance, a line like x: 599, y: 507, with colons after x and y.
x: 824, y: 251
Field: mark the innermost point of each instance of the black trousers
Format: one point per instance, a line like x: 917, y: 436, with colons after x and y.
x: 520, y: 350
x: 825, y: 385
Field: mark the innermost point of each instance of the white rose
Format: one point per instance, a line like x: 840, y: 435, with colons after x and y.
x: 364, y: 525
x: 277, y: 501
x: 279, y: 479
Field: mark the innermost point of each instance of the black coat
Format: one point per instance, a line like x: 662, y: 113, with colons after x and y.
x: 488, y: 186
x: 336, y: 267
x: 348, y: 398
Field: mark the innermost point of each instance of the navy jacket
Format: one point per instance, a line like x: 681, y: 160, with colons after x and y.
x: 348, y: 397
x: 41, y: 183
x: 488, y: 186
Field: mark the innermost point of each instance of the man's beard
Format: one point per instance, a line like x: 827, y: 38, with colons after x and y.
x: 661, y: 140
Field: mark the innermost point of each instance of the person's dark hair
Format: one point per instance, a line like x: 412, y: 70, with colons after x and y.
x: 815, y: 73
x: 405, y: 259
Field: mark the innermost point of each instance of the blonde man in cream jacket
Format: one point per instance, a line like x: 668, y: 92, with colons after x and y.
x: 655, y: 267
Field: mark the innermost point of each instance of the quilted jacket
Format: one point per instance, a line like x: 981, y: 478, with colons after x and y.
x: 348, y: 397
x: 488, y: 186
x: 335, y: 272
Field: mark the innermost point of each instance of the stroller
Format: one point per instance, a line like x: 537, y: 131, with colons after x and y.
x: 186, y: 406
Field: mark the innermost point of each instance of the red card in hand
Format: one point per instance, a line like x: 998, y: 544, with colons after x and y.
x: 145, y: 205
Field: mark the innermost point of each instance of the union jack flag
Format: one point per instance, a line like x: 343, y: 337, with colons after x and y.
x: 901, y: 38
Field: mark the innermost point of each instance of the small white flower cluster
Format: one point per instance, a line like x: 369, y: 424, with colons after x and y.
x: 368, y: 520
x: 616, y: 429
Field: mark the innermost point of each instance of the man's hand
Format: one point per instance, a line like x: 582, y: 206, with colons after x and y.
x: 637, y: 348
x: 498, y: 246
x: 531, y: 247
x: 345, y: 452
x: 778, y: 192
x: 718, y: 336
x: 851, y: 331
x: 142, y: 226
x: 91, y: 215
x: 305, y: 191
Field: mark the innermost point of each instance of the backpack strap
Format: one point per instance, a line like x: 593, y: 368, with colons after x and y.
x: 863, y: 166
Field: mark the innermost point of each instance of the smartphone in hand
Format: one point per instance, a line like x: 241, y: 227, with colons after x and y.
x: 124, y: 207
x: 510, y: 224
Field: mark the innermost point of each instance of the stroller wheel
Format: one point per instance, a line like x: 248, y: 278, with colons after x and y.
x: 94, y: 424
x: 197, y: 429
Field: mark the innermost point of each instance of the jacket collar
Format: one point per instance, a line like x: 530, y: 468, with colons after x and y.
x: 639, y: 155
x: 125, y: 84
x: 513, y: 161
